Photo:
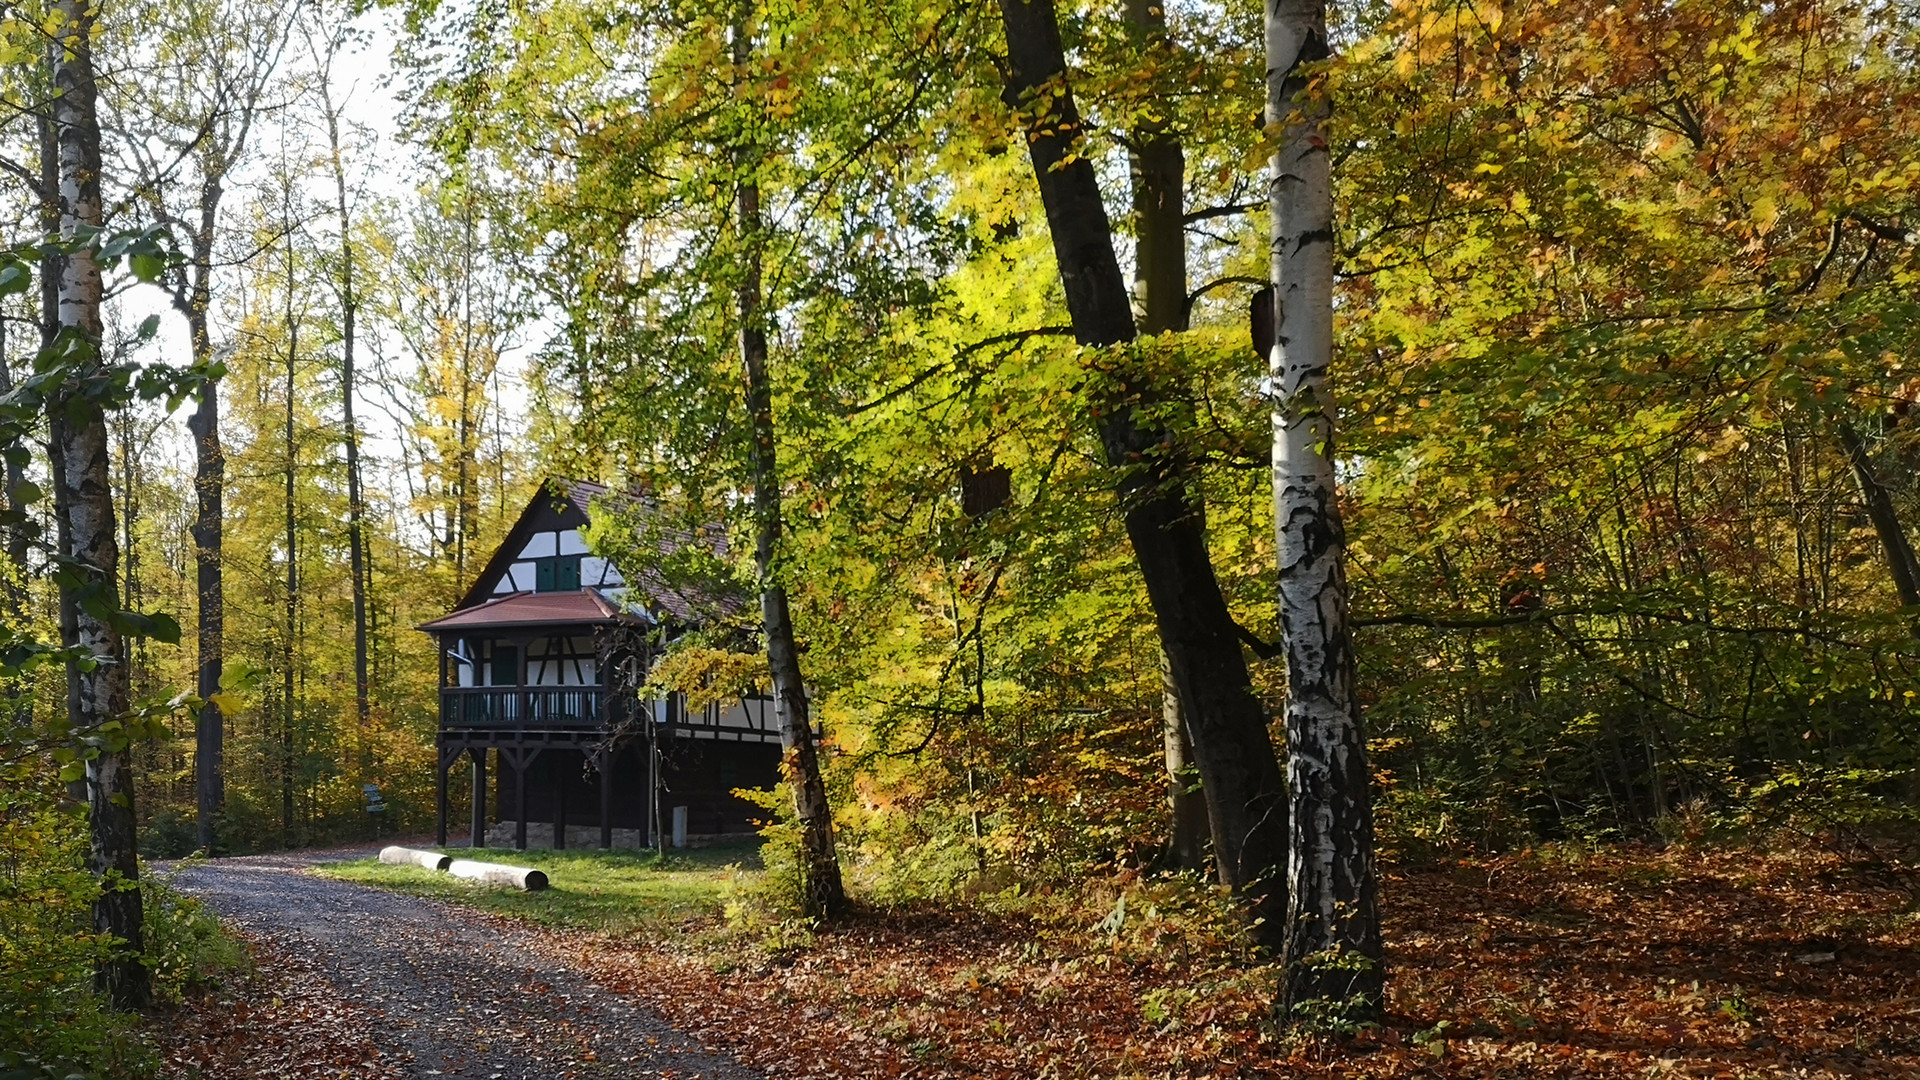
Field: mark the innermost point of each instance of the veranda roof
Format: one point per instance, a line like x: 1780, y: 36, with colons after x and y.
x: 532, y: 609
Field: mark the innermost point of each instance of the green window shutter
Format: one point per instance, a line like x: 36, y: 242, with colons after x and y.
x: 543, y: 576
x: 506, y: 665
x: 569, y: 573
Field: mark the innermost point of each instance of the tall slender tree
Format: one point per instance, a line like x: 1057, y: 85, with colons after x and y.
x: 1332, y: 954
x: 82, y: 483
x: 821, y: 889
x: 1240, y: 776
x: 327, y: 42
x: 19, y: 534
x: 290, y: 629
x: 187, y: 131
x: 1159, y: 171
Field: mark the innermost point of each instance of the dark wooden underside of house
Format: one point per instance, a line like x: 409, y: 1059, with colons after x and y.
x: 579, y: 777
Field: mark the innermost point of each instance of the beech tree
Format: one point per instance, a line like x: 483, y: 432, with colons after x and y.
x: 453, y: 312
x: 821, y: 889
x: 1159, y: 174
x: 1239, y: 774
x: 187, y: 126
x: 326, y: 43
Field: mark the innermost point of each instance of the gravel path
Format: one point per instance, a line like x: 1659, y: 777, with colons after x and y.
x: 454, y: 995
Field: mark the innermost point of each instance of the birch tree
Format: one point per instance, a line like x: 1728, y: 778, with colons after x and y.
x: 84, y: 500
x: 1332, y: 930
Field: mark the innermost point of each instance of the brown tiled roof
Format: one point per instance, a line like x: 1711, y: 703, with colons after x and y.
x: 582, y: 492
x: 532, y: 609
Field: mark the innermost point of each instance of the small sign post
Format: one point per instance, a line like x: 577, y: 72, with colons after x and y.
x: 376, y: 806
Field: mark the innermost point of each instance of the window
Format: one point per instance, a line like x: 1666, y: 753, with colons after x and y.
x: 556, y: 573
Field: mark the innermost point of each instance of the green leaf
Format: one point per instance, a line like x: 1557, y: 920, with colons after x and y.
x: 147, y: 267
x: 163, y: 628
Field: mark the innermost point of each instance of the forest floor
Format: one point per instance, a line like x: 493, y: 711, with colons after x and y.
x: 1559, y: 963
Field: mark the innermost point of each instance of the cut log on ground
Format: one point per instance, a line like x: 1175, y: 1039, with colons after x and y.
x: 520, y: 877
x: 401, y: 856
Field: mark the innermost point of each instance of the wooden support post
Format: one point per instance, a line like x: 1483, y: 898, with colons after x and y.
x: 520, y: 646
x: 479, y: 838
x: 606, y: 798
x: 440, y: 765
x: 560, y: 808
x: 520, y: 760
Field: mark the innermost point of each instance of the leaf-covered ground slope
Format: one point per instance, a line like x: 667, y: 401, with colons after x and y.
x: 1624, y: 963
x: 1636, y: 964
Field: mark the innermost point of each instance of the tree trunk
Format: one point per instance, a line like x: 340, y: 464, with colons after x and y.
x: 1332, y: 956
x: 193, y: 298
x: 19, y: 542
x: 291, y: 629
x: 1240, y: 777
x: 52, y: 270
x: 1186, y: 806
x: 81, y: 475
x: 19, y: 534
x: 209, y: 478
x: 821, y: 889
x: 1901, y: 565
x: 467, y: 505
x: 209, y: 525
x: 1159, y: 172
x: 356, y: 502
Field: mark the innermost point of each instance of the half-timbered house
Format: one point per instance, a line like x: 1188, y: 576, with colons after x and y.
x: 540, y: 665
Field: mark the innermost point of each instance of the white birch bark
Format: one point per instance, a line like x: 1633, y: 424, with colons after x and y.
x: 79, y: 433
x: 1333, y: 937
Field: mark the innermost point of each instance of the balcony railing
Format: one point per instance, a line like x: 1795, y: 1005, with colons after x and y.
x: 749, y: 719
x: 521, y: 706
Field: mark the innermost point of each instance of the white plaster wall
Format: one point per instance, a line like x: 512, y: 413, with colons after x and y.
x: 571, y: 543
x: 539, y: 546
x: 543, y: 671
x: 592, y: 568
x: 755, y: 714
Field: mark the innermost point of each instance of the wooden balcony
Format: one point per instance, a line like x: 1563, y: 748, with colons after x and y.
x: 586, y: 708
x: 543, y: 708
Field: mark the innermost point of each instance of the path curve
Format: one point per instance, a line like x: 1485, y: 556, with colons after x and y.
x: 452, y: 992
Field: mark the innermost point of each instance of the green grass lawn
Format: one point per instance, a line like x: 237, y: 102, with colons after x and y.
x: 618, y: 892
